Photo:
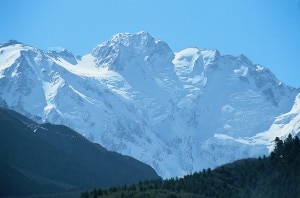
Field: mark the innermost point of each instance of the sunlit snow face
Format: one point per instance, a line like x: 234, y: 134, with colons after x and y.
x: 179, y: 113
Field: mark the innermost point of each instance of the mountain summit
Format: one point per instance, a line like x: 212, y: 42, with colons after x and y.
x: 178, y: 112
x: 124, y: 48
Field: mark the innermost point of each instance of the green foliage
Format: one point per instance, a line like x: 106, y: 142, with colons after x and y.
x: 274, y: 176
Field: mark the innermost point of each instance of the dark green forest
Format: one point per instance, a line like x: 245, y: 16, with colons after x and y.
x: 277, y: 175
x: 44, y: 159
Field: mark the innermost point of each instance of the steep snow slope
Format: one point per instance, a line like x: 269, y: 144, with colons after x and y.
x: 228, y: 100
x: 285, y: 124
x: 177, y: 112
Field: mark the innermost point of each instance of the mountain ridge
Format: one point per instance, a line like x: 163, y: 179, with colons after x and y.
x: 45, y: 158
x: 195, y: 107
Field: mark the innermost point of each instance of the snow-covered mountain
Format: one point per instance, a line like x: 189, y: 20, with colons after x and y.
x: 178, y: 112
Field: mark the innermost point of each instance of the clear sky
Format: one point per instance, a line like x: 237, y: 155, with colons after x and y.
x: 266, y: 31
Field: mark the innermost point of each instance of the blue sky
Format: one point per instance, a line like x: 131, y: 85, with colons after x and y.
x: 266, y: 31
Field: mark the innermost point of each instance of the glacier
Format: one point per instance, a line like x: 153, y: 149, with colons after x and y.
x: 178, y: 112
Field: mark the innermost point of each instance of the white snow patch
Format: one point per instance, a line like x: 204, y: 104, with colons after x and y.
x: 242, y: 71
x: 259, y: 68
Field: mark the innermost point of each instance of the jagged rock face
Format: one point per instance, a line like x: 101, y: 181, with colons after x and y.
x: 178, y: 112
x: 141, y: 49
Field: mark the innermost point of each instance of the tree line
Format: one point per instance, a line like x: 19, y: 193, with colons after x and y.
x: 277, y: 175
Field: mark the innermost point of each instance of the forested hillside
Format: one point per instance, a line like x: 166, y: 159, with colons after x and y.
x: 275, y: 176
x: 39, y: 159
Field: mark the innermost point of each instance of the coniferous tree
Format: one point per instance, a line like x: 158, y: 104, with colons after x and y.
x: 275, y: 176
